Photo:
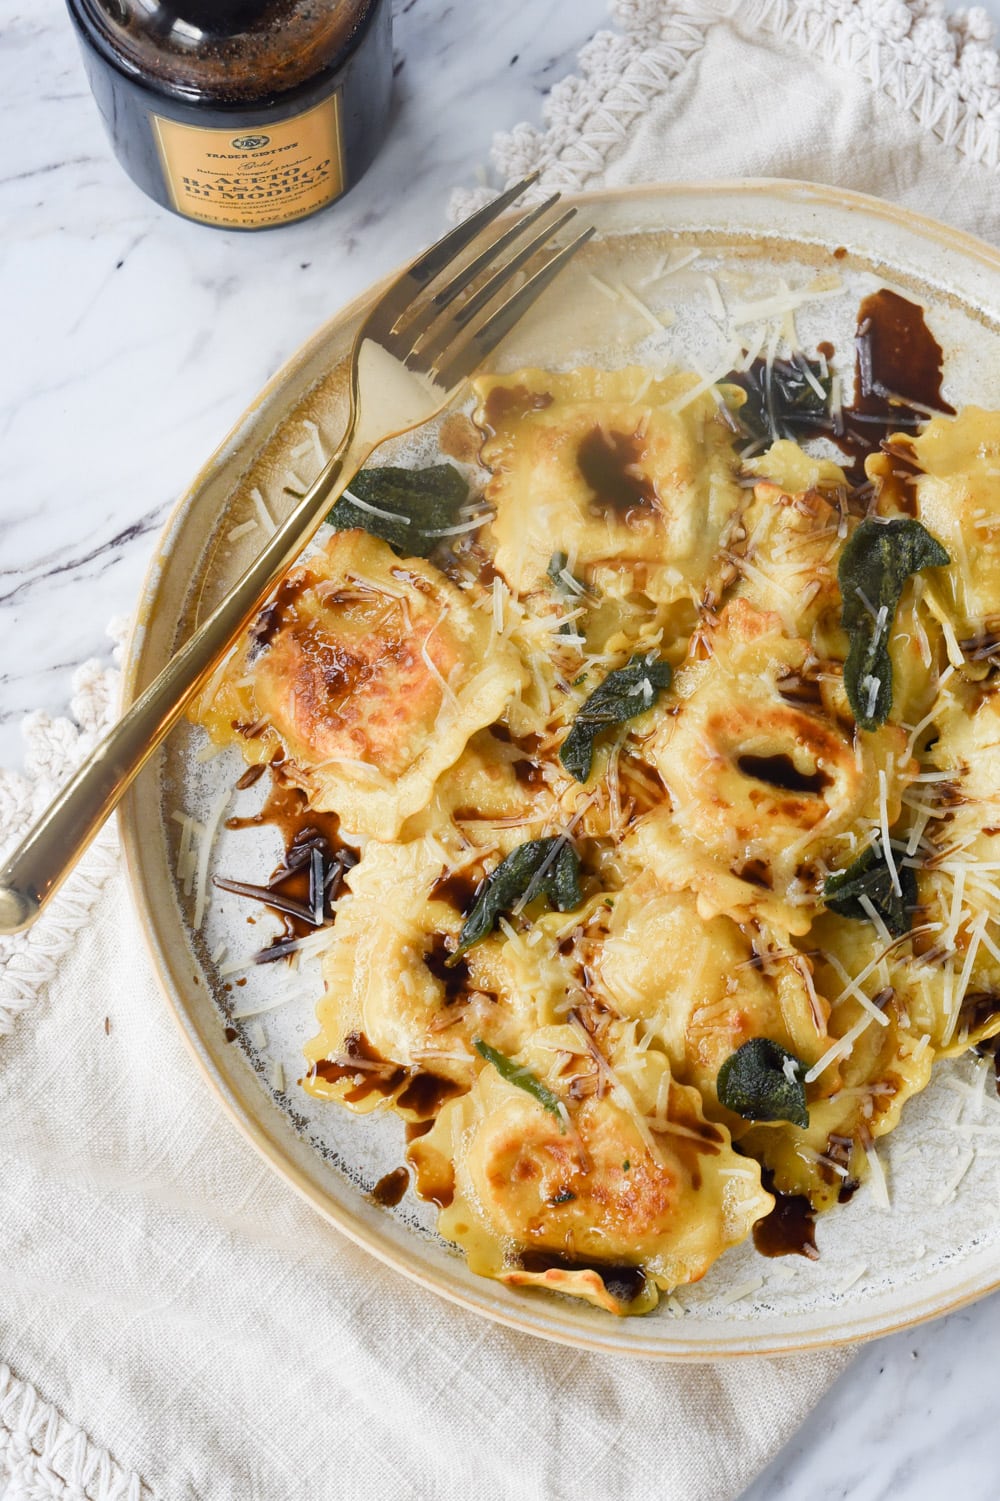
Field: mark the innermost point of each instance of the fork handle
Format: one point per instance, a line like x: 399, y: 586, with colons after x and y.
x: 48, y: 853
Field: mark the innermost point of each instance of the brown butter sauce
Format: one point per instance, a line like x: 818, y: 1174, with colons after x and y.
x: 301, y: 827
x: 458, y: 888
x: 286, y: 808
x: 426, y: 1093
x: 505, y: 403
x: 273, y: 616
x: 421, y: 1093
x: 391, y: 1187
x: 897, y: 384
x: 781, y: 772
x: 453, y: 977
x: 609, y: 464
x: 790, y: 1228
x: 978, y: 1009
x: 897, y: 376
x: 366, y: 1082
x: 625, y: 1283
x: 527, y: 770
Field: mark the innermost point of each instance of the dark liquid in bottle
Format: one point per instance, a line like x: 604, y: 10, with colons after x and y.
x: 243, y: 114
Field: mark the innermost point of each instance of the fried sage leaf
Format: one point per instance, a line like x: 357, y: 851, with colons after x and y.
x: 762, y: 1081
x: 874, y: 567
x: 522, y: 1078
x: 628, y: 691
x: 540, y: 867
x: 869, y: 876
x: 408, y: 508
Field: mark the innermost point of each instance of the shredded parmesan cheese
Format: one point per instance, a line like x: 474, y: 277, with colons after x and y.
x: 947, y: 1193
x: 266, y: 519
x: 880, y: 1189
x: 273, y: 1003
x: 768, y: 308
x: 242, y: 530
x: 840, y: 1048
x: 369, y: 509
x: 446, y: 689
x: 206, y: 841
x: 852, y: 1278
x: 883, y: 813
x: 658, y: 322
x: 715, y: 302
x: 975, y: 939
x: 603, y: 287
x: 499, y: 591
x: 473, y: 524
x: 707, y: 383
x: 739, y: 1292
x: 671, y: 265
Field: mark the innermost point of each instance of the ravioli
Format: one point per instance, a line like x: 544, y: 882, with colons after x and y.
x: 634, y: 1177
x: 631, y: 477
x: 827, y: 1160
x: 705, y: 987
x: 788, y: 544
x: 545, y: 962
x: 494, y: 785
x: 368, y: 675
x: 394, y: 987
x: 760, y: 762
x: 957, y: 488
x: 955, y: 991
x: 860, y: 1093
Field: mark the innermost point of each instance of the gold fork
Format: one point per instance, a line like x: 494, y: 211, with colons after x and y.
x: 421, y: 341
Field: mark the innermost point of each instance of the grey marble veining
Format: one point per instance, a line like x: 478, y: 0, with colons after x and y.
x: 131, y: 343
x: 912, y: 1419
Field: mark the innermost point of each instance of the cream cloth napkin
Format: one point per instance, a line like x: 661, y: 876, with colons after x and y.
x: 175, y: 1322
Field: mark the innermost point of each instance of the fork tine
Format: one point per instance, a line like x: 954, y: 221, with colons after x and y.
x: 473, y: 268
x: 434, y: 260
x: 437, y: 258
x: 481, y: 342
x: 442, y: 330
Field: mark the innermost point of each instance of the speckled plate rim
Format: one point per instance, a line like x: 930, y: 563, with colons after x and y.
x: 546, y: 1318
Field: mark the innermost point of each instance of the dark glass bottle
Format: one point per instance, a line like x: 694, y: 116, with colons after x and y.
x: 244, y: 114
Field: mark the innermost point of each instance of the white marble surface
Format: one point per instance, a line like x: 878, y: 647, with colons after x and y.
x: 132, y: 340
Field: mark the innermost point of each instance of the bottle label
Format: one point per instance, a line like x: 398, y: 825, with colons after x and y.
x: 252, y: 178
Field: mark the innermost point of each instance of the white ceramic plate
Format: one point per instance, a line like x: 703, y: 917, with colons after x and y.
x: 939, y: 1243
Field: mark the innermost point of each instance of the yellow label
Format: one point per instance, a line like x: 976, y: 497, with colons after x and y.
x: 249, y: 179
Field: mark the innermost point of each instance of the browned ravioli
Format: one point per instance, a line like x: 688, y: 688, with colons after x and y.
x: 671, y: 778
